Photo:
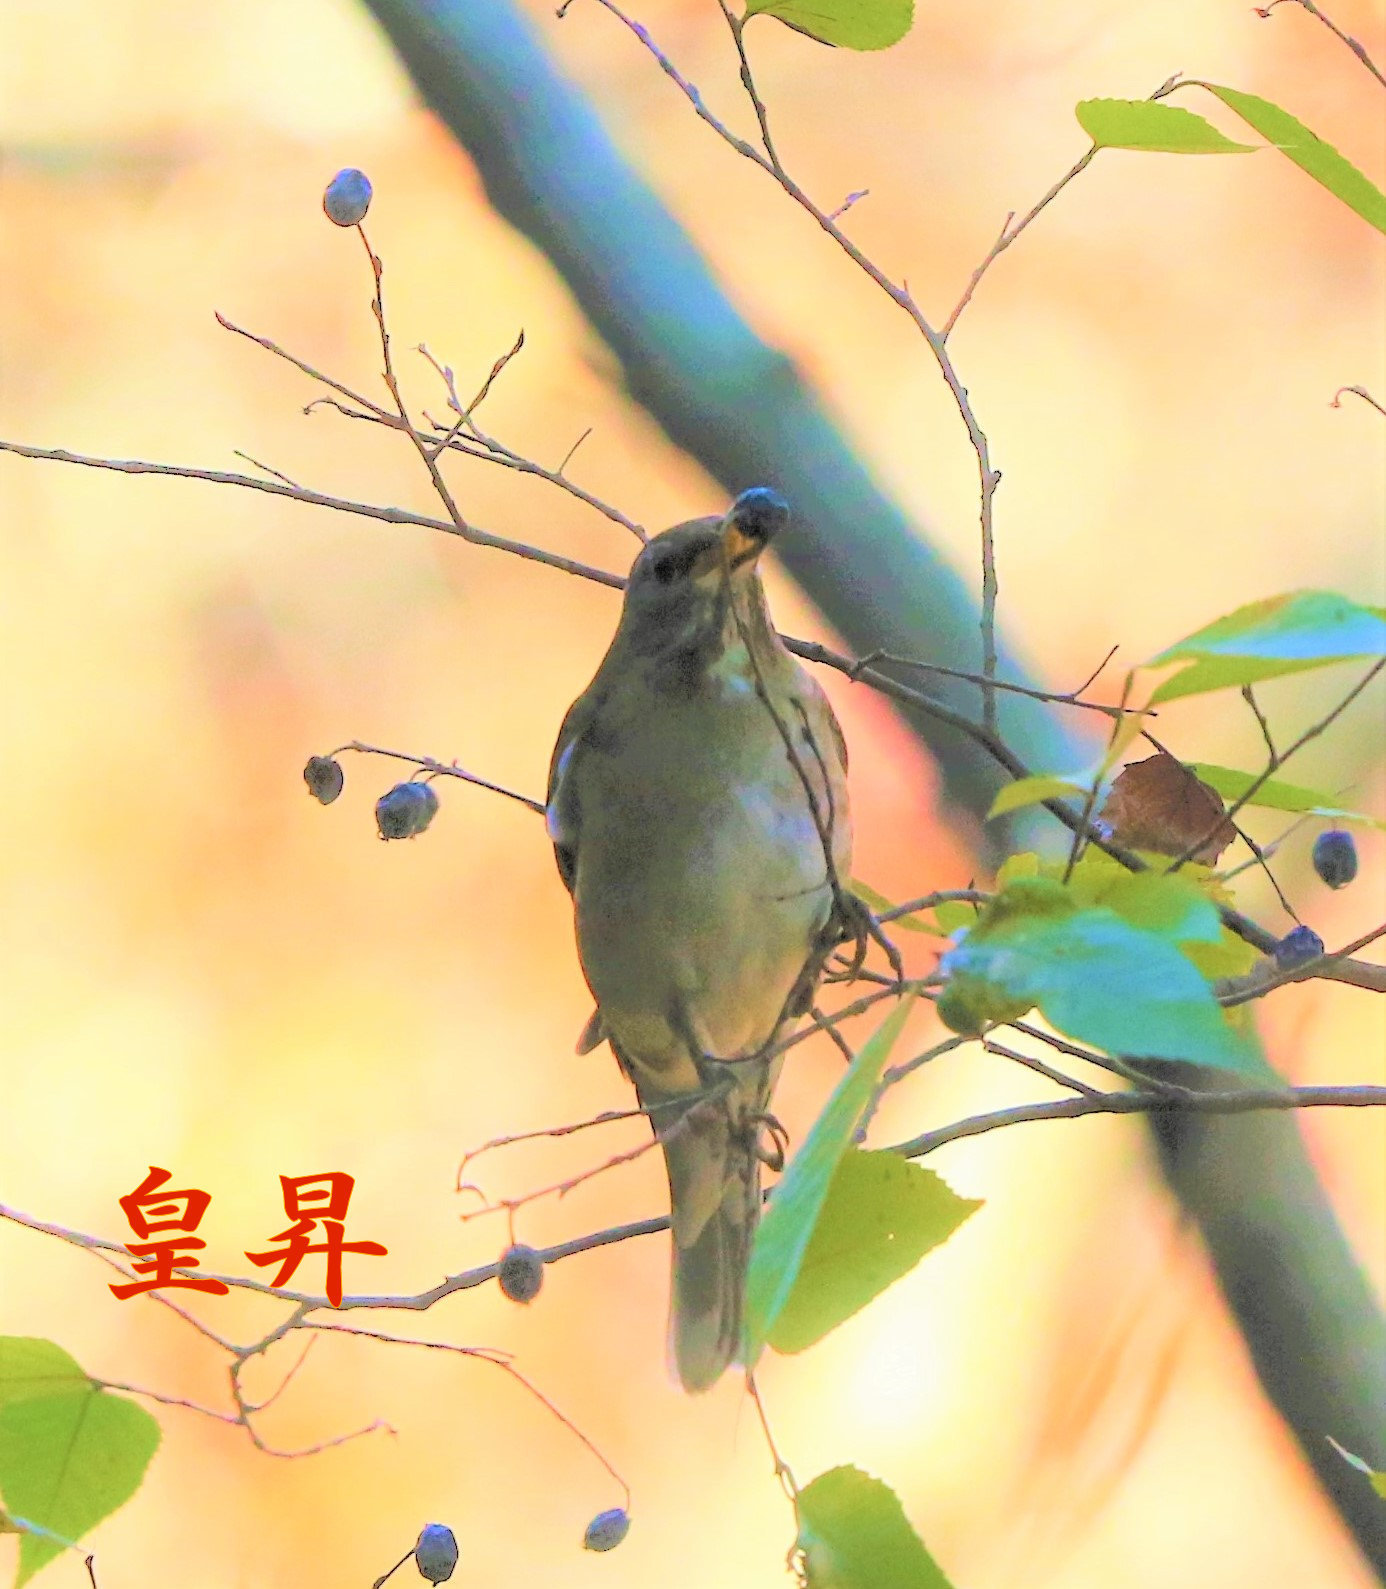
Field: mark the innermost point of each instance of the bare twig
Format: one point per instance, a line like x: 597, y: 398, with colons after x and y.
x: 1357, y: 391
x: 1264, y: 977
x: 320, y: 499
x: 1353, y: 44
x: 1010, y: 231
x: 497, y: 1359
x: 607, y: 1117
x: 441, y: 769
x: 1275, y: 762
x: 899, y: 294
x: 466, y: 437
x: 782, y: 1470
x: 265, y: 468
x: 1120, y: 1103
x: 1058, y: 698
x: 1049, y: 1072
x: 942, y: 896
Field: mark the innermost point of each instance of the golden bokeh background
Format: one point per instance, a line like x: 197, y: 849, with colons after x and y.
x: 204, y: 970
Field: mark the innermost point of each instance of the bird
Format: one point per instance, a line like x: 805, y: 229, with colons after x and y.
x: 698, y: 808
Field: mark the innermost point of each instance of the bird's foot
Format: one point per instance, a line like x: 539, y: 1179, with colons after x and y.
x: 854, y: 922
x: 772, y: 1154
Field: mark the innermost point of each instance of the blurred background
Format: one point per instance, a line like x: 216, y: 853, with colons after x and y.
x: 202, y: 969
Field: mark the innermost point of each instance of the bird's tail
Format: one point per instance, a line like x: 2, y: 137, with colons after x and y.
x: 714, y: 1196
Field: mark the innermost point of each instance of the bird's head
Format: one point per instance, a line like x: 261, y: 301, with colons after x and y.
x: 689, y: 584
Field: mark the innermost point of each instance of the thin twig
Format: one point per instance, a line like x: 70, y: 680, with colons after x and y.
x: 1249, y: 696
x: 1010, y: 231
x: 1049, y: 1072
x: 899, y: 294
x: 490, y: 450
x: 443, y: 769
x: 782, y: 1470
x: 319, y: 499
x: 168, y: 1401
x: 497, y: 1359
x: 1264, y: 977
x: 1121, y: 1103
x: 1353, y: 44
x: 1357, y: 391
x: 1274, y: 763
x: 265, y: 468
x: 1057, y: 698
x: 607, y: 1117
x: 942, y: 896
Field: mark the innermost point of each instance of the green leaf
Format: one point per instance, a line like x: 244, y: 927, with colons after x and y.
x: 881, y: 1215
x: 1282, y: 634
x: 1096, y: 977
x: 1150, y: 124
x: 1024, y: 863
x: 854, y: 24
x: 1375, y: 1479
x: 1309, y: 152
x: 953, y: 914
x: 1030, y: 791
x: 854, y: 1535
x: 878, y: 903
x: 31, y: 1367
x: 67, y: 1461
x: 1167, y: 903
x: 1274, y: 795
x: 787, y: 1228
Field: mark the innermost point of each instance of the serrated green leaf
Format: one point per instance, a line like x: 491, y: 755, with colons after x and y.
x: 1030, y: 791
x: 785, y: 1231
x: 1099, y: 979
x: 854, y: 24
x: 1276, y: 795
x: 1309, y: 152
x: 1282, y: 634
x: 854, y: 1534
x: 1152, y: 125
x: 881, y: 1215
x: 31, y: 1367
x: 1375, y: 1479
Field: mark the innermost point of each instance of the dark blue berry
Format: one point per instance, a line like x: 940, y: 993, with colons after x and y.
x: 761, y: 512
x: 521, y: 1273
x: 324, y: 778
x: 405, y: 810
x: 1298, y: 946
x: 348, y: 197
x: 607, y: 1529
x: 435, y: 1555
x: 1335, y: 857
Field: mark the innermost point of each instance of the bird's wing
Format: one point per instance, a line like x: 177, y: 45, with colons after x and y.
x: 563, y: 817
x: 819, y: 695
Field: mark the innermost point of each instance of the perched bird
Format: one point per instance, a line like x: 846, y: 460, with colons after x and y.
x: 698, y: 809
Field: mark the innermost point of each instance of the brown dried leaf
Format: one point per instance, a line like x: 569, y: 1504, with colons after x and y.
x: 1158, y: 804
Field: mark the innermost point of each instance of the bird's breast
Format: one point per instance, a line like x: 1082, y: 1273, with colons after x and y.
x: 701, y: 878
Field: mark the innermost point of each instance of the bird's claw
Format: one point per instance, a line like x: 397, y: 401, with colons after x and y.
x: 773, y: 1154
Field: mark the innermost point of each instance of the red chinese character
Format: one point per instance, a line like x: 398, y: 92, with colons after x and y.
x: 150, y: 1208
x: 311, y: 1200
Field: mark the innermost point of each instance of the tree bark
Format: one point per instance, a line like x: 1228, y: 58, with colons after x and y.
x: 1314, y: 1330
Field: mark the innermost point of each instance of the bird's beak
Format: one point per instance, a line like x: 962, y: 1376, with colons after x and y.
x: 751, y: 523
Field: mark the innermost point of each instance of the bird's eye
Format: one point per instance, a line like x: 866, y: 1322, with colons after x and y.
x: 665, y: 568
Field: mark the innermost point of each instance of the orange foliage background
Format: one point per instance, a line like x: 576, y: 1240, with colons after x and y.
x: 202, y: 969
